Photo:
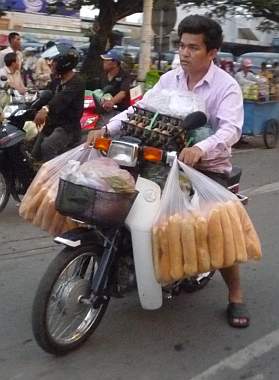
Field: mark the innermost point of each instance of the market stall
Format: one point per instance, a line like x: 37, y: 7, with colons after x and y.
x: 262, y: 118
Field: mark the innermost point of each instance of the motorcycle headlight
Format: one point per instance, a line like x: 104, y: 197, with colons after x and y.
x: 124, y: 153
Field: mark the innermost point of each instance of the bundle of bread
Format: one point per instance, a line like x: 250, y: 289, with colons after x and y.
x: 184, y: 246
x: 38, y: 204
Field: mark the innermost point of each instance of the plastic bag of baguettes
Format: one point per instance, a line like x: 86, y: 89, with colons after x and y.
x: 38, y: 204
x: 201, y: 226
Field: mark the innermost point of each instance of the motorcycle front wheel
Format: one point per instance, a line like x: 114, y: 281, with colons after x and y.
x: 62, y: 318
x: 5, y: 190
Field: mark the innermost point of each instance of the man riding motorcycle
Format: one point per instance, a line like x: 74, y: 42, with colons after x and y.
x: 59, y: 121
x: 200, y: 39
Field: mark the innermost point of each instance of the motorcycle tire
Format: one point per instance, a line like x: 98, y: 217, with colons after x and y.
x: 193, y: 284
x: 60, y: 321
x: 5, y: 190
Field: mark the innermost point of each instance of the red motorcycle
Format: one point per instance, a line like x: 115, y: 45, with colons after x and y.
x: 92, y: 110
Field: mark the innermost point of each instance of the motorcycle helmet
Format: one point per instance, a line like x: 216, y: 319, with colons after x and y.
x: 65, y: 56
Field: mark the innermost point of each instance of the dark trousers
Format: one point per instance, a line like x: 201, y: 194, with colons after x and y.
x: 48, y: 147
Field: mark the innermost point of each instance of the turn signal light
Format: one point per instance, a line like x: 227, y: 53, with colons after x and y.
x: 152, y: 154
x: 102, y: 143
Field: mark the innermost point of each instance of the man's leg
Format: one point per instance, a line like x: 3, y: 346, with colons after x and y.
x: 237, y: 312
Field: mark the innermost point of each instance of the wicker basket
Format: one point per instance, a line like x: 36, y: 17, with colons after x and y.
x: 93, y: 206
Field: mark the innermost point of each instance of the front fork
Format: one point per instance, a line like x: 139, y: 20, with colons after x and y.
x: 100, y: 280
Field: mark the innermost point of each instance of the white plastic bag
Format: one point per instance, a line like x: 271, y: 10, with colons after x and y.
x: 171, y: 102
x: 201, y: 226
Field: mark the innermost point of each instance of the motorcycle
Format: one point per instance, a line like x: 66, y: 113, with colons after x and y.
x: 17, y: 168
x: 100, y: 261
x: 93, y: 111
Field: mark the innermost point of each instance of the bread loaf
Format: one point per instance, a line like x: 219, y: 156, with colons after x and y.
x: 229, y: 250
x: 165, y: 265
x: 215, y: 239
x: 175, y: 247
x: 238, y: 235
x: 252, y: 241
x: 202, y: 245
x: 156, y: 252
x: 189, y: 246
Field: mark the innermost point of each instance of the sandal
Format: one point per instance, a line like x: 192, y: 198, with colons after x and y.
x: 237, y: 315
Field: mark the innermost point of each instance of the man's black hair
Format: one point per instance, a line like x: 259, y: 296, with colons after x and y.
x: 197, y: 24
x: 12, y: 36
x: 10, y: 58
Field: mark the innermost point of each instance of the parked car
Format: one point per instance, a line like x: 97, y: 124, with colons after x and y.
x: 30, y: 42
x: 258, y: 58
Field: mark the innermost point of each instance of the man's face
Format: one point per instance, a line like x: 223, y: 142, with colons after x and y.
x: 194, y: 58
x: 108, y: 65
x: 16, y: 43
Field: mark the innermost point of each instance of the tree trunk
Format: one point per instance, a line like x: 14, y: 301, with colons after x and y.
x: 102, y: 37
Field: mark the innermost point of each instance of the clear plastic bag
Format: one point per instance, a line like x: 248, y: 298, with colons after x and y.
x: 200, y: 227
x: 103, y: 174
x: 38, y: 204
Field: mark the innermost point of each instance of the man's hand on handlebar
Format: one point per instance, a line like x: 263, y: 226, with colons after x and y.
x: 93, y: 135
x: 108, y: 105
x: 40, y: 118
x: 191, y: 156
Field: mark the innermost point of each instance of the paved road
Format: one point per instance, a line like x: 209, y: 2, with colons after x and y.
x: 187, y: 339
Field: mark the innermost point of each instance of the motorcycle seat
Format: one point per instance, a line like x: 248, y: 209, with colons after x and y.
x: 234, y: 176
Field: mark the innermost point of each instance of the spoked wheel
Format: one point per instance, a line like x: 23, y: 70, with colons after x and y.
x: 5, y: 190
x: 198, y: 282
x: 63, y: 316
x: 271, y: 131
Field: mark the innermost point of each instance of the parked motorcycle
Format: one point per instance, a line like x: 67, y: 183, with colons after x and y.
x: 101, y: 261
x: 16, y: 164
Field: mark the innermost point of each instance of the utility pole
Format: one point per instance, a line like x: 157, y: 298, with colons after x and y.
x: 146, y: 40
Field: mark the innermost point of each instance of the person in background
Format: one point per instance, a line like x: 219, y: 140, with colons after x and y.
x: 11, y: 71
x: 200, y: 39
x: 116, y: 82
x: 29, y: 65
x: 43, y: 69
x: 245, y: 76
x: 59, y: 120
x: 228, y: 66
x: 15, y: 47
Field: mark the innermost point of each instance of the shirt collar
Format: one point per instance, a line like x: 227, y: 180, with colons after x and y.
x: 208, y: 77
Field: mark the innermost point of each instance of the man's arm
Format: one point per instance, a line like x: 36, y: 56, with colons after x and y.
x: 230, y: 116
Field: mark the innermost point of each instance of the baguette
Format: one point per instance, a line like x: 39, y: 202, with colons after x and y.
x: 156, y: 252
x: 202, y: 245
x: 215, y: 239
x: 229, y: 250
x: 252, y: 241
x: 175, y: 247
x: 238, y: 235
x: 189, y: 246
x: 165, y: 266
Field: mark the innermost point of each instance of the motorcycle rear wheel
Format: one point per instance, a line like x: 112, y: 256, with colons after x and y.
x: 61, y: 322
x: 5, y: 190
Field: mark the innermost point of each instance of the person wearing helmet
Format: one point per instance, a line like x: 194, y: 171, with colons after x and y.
x: 59, y: 120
